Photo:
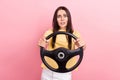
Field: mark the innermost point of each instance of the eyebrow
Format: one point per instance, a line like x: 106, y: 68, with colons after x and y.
x: 59, y: 14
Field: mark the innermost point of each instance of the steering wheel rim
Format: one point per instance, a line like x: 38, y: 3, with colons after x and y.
x: 61, y: 61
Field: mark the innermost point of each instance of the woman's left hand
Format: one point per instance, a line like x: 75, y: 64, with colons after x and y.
x: 79, y: 43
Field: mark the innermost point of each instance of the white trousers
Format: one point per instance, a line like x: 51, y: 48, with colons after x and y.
x: 50, y: 75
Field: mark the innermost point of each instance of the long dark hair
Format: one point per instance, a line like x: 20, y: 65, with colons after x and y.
x: 56, y: 27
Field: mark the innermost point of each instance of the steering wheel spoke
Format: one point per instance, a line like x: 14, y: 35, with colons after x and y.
x: 75, y: 52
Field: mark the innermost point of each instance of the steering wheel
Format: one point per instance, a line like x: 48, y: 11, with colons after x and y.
x: 61, y: 55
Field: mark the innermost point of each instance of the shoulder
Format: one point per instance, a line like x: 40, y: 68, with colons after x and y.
x: 76, y: 33
x: 47, y: 32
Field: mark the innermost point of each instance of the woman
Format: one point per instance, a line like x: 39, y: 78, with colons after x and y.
x: 61, y: 22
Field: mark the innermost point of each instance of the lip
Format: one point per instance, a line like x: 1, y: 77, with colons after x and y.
x: 62, y: 23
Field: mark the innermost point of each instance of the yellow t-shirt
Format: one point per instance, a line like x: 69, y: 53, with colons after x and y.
x: 61, y: 41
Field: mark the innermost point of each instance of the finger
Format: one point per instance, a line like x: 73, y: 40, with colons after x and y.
x: 46, y: 41
x: 78, y: 40
x: 74, y: 41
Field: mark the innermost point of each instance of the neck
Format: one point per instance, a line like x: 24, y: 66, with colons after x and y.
x: 62, y: 28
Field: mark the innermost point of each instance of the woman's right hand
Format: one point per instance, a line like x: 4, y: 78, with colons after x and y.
x: 43, y: 42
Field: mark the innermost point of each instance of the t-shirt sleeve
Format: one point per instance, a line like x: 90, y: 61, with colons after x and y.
x: 77, y: 34
x: 48, y: 32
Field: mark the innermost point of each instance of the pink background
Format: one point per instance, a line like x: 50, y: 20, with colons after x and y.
x: 23, y: 22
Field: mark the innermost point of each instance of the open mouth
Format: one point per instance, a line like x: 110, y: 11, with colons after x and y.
x: 62, y: 23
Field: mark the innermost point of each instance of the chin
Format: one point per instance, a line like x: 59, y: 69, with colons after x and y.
x: 63, y: 26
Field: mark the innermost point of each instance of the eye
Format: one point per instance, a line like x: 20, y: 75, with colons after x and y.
x: 65, y: 15
x: 58, y: 16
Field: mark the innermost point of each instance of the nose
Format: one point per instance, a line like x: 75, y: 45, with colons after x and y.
x: 62, y: 18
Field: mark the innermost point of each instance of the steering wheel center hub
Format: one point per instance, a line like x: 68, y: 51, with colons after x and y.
x: 61, y: 55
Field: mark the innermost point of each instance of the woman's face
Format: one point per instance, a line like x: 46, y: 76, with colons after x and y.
x: 62, y: 19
